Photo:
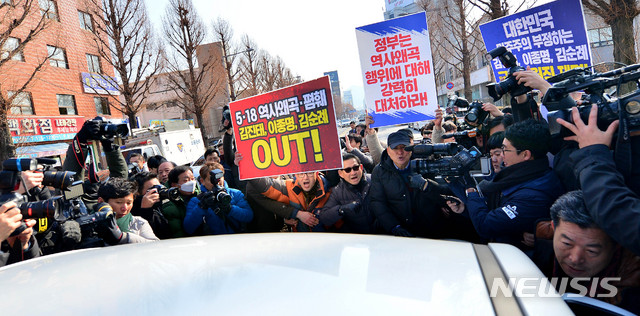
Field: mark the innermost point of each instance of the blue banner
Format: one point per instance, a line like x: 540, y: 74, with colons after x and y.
x: 98, y: 83
x: 550, y: 38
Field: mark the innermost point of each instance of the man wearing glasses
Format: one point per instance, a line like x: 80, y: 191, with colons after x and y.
x: 521, y: 193
x: 346, y: 209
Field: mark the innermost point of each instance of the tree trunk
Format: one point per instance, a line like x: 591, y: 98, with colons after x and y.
x: 203, y: 129
x: 133, y: 123
x: 6, y: 142
x: 624, y: 45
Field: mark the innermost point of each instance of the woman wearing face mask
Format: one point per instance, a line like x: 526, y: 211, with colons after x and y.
x: 223, y: 209
x: 182, y: 178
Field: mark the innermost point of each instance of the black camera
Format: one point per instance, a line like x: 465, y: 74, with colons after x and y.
x: 171, y: 194
x: 217, y: 199
x: 476, y: 115
x: 62, y: 180
x: 39, y: 209
x: 457, y: 162
x: 509, y: 84
x: 465, y: 138
x: 110, y: 130
x: 225, y: 122
x: 625, y: 108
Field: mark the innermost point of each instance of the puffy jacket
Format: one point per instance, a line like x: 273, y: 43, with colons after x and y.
x: 611, y: 203
x: 175, y: 211
x: 393, y: 203
x: 361, y: 221
x: 240, y: 214
x: 139, y: 232
x: 517, y: 211
x: 289, y: 193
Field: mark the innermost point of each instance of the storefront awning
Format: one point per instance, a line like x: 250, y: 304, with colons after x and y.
x: 42, y: 150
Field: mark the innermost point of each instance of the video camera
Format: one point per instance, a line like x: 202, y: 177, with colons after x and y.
x: 509, y: 84
x: 465, y: 138
x: 447, y: 159
x: 625, y: 108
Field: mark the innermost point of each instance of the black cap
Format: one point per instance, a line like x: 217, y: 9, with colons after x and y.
x: 398, y: 138
x: 408, y: 131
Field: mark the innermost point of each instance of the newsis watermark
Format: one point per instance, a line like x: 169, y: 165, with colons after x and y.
x: 543, y: 287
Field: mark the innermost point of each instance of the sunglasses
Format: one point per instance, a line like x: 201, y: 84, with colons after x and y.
x: 354, y: 168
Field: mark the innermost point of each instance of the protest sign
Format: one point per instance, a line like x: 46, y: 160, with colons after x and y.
x: 396, y: 62
x: 550, y: 38
x: 290, y: 130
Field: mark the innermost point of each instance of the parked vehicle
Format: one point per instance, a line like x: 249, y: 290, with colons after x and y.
x: 180, y: 146
x: 281, y: 274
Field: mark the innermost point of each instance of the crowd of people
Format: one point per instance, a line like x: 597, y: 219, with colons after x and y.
x: 562, y: 202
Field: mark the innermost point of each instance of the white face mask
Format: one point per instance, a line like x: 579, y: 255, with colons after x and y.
x: 189, y: 186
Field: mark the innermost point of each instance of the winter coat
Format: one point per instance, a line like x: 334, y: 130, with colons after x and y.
x: 361, y: 220
x: 225, y: 224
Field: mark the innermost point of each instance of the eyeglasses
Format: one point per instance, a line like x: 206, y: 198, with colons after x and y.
x: 511, y: 150
x: 349, y: 169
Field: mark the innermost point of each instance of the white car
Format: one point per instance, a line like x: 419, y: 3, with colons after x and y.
x: 276, y: 274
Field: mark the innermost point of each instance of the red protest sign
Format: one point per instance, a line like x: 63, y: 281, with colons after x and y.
x: 290, y: 130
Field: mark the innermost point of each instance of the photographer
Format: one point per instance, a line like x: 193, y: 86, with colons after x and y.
x: 614, y: 206
x: 352, y: 146
x: 521, y: 193
x: 20, y: 247
x: 403, y: 202
x: 346, y: 208
x: 123, y: 228
x: 148, y: 204
x: 137, y: 164
x: 221, y: 216
x: 180, y: 177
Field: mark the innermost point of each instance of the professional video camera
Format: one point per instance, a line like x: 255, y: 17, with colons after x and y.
x: 465, y: 138
x: 625, y: 108
x: 217, y: 199
x: 509, y: 84
x: 447, y: 159
x: 167, y: 193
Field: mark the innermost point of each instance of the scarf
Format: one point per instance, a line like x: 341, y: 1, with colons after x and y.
x: 511, y: 176
x: 124, y: 222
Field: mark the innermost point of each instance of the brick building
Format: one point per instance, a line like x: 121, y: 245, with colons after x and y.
x: 66, y: 92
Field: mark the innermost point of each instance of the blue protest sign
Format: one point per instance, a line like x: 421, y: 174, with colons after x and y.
x: 550, y: 38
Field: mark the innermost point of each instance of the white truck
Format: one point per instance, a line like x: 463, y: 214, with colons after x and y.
x: 182, y: 146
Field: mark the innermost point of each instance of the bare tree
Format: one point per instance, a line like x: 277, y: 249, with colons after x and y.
x: 21, y: 25
x: 129, y: 47
x: 619, y: 14
x: 192, y: 79
x: 223, y: 33
x: 458, y: 38
x: 250, y: 67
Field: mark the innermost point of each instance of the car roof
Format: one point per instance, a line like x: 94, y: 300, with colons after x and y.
x: 248, y: 274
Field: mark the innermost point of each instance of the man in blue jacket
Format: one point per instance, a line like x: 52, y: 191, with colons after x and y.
x: 222, y: 216
x: 521, y: 193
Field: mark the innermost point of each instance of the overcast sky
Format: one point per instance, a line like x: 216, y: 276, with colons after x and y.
x: 312, y: 37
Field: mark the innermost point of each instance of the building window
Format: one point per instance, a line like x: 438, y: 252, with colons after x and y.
x: 21, y: 104
x: 58, y: 57
x: 102, y: 105
x: 66, y: 104
x: 85, y: 21
x: 9, y: 46
x: 601, y: 37
x: 93, y: 62
x: 48, y: 9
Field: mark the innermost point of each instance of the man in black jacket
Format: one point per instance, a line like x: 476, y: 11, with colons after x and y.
x: 346, y: 209
x: 403, y: 202
x: 20, y: 247
x: 614, y: 206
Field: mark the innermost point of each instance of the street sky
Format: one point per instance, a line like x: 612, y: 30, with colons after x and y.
x: 311, y: 37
